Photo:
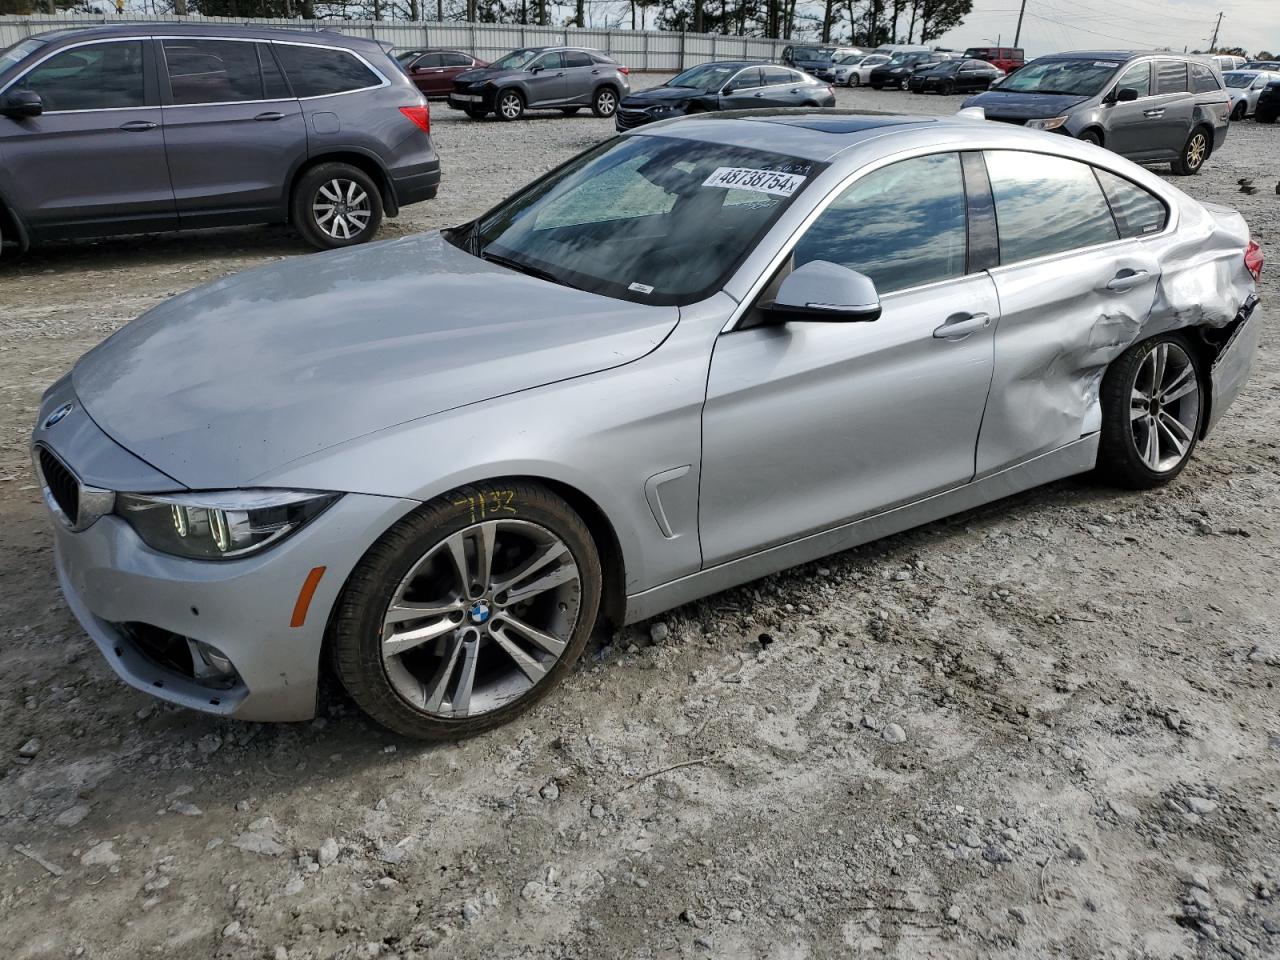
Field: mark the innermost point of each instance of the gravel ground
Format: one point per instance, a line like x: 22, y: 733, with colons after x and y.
x: 1044, y: 728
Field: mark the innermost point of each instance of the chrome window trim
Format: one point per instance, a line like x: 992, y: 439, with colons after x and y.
x: 75, y: 46
x: 164, y: 58
x: 788, y: 245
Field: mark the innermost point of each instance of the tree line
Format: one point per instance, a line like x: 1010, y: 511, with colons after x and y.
x: 860, y: 22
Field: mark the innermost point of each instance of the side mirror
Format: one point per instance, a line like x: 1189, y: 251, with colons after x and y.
x: 22, y: 103
x: 824, y: 292
x: 1126, y: 95
x: 536, y: 68
x: 728, y: 89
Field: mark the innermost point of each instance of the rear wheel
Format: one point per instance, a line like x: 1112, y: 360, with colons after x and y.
x: 336, y: 205
x: 605, y: 102
x: 510, y: 105
x: 1152, y: 407
x: 1194, y: 153
x: 468, y: 611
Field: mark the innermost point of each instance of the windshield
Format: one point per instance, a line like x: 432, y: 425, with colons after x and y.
x: 19, y: 52
x: 649, y: 219
x: 708, y: 78
x: 514, y: 60
x: 1079, y: 78
x: 1238, y: 79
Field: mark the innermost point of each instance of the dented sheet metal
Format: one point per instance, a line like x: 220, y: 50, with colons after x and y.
x: 1060, y: 329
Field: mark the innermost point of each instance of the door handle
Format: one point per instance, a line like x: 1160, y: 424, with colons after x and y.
x: 1127, y: 280
x: 960, y: 325
x: 137, y: 126
x: 1153, y: 113
x: 759, y: 94
x: 437, y: 71
x: 270, y: 115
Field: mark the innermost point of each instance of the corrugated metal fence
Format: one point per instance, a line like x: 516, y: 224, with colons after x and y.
x: 639, y: 50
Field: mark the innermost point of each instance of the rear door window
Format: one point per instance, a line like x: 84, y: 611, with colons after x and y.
x: 1203, y: 79
x: 212, y: 71
x: 903, y: 225
x: 428, y: 60
x: 1137, y: 77
x: 455, y: 60
x: 575, y: 59
x: 1171, y: 76
x: 322, y: 71
x: 1046, y: 205
x: 1137, y: 212
x: 97, y: 76
x: 776, y: 76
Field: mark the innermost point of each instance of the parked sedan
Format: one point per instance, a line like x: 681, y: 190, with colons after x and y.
x: 732, y: 85
x: 898, y: 70
x: 1244, y: 87
x: 536, y: 78
x: 679, y: 362
x: 1268, y: 106
x: 855, y: 70
x: 955, y: 76
x: 433, y: 71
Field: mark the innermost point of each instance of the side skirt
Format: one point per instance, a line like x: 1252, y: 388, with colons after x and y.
x: 1077, y: 457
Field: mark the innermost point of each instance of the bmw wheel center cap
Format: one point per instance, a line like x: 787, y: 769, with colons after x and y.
x: 479, y: 612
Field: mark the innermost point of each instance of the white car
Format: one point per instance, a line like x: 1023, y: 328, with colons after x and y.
x: 855, y: 70
x: 1244, y: 88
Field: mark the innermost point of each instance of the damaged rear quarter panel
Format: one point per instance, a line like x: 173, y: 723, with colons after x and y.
x: 1060, y: 327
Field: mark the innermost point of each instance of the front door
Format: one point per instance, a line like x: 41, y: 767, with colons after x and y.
x: 232, y: 130
x: 546, y: 81
x: 93, y: 162
x: 1128, y: 126
x: 744, y: 91
x: 427, y: 74
x: 810, y: 425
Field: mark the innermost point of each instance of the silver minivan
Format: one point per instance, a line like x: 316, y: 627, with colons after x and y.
x: 1153, y: 107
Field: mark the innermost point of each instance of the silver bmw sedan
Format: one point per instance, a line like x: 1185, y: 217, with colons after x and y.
x: 691, y: 356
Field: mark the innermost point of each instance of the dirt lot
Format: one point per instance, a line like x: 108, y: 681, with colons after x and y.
x: 1044, y: 728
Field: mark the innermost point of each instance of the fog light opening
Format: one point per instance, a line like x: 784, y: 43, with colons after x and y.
x: 209, y: 664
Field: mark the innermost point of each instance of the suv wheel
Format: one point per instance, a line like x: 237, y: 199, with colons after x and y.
x: 605, y: 102
x: 1091, y: 136
x: 336, y: 205
x: 510, y: 105
x: 1194, y: 153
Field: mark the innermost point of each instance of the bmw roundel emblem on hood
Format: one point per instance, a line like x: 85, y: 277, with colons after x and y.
x: 58, y: 415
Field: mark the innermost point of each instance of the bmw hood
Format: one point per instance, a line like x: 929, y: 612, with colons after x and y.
x: 1024, y: 106
x: 220, y: 385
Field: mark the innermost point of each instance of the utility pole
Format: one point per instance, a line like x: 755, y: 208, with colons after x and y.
x: 1213, y: 44
x: 1017, y: 35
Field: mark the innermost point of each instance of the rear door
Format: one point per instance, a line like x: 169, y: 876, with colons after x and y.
x: 94, y: 161
x: 782, y: 88
x: 580, y: 73
x: 1074, y: 289
x: 1171, y: 109
x: 451, y: 64
x: 232, y: 129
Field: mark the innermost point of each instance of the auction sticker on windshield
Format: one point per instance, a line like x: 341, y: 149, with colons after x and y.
x: 759, y: 181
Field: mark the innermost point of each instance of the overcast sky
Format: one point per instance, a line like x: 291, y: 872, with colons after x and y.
x: 1051, y: 25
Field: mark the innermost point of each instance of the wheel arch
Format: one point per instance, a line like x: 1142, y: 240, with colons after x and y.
x: 365, y: 162
x: 1097, y: 130
x: 12, y: 227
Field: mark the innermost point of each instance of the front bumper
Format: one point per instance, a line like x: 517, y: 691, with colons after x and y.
x: 471, y: 100
x: 113, y: 582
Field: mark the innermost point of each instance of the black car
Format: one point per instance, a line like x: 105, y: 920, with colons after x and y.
x: 955, y: 76
x: 733, y: 85
x: 1268, y: 108
x: 897, y: 72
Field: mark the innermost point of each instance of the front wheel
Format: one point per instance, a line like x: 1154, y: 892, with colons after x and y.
x: 336, y: 205
x: 1091, y: 136
x: 947, y: 88
x: 1240, y: 110
x: 855, y: 80
x: 510, y: 105
x: 468, y: 611
x: 605, y: 102
x: 1194, y: 153
x: 1152, y: 407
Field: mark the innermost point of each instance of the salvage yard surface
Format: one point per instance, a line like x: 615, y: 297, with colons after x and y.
x: 1048, y: 727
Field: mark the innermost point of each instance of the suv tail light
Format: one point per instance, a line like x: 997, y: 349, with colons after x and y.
x: 1253, y: 259
x: 625, y: 71
x: 420, y: 115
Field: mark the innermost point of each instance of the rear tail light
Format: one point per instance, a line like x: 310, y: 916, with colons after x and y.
x: 1253, y: 259
x: 420, y: 115
x: 625, y: 71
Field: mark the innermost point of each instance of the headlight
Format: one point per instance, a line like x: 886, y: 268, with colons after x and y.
x: 220, y: 524
x: 1053, y: 124
x: 666, y: 107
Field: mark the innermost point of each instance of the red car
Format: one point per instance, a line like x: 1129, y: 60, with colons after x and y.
x: 1007, y: 59
x: 432, y: 71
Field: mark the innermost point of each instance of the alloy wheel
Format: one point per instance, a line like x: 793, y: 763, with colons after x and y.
x: 509, y: 106
x: 1164, y: 408
x: 606, y: 103
x: 481, y: 618
x: 342, y: 209
x: 1196, y: 148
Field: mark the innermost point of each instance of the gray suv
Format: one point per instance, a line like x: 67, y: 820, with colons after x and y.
x: 1152, y: 107
x: 561, y: 78
x: 144, y: 128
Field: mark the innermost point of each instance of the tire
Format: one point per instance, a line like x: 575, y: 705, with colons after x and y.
x: 1194, y: 153
x: 1239, y: 112
x: 476, y: 114
x: 569, y: 111
x: 605, y: 102
x: 410, y: 565
x: 334, y: 198
x: 947, y: 88
x: 1091, y: 136
x: 509, y: 105
x: 855, y: 80
x: 1125, y: 456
